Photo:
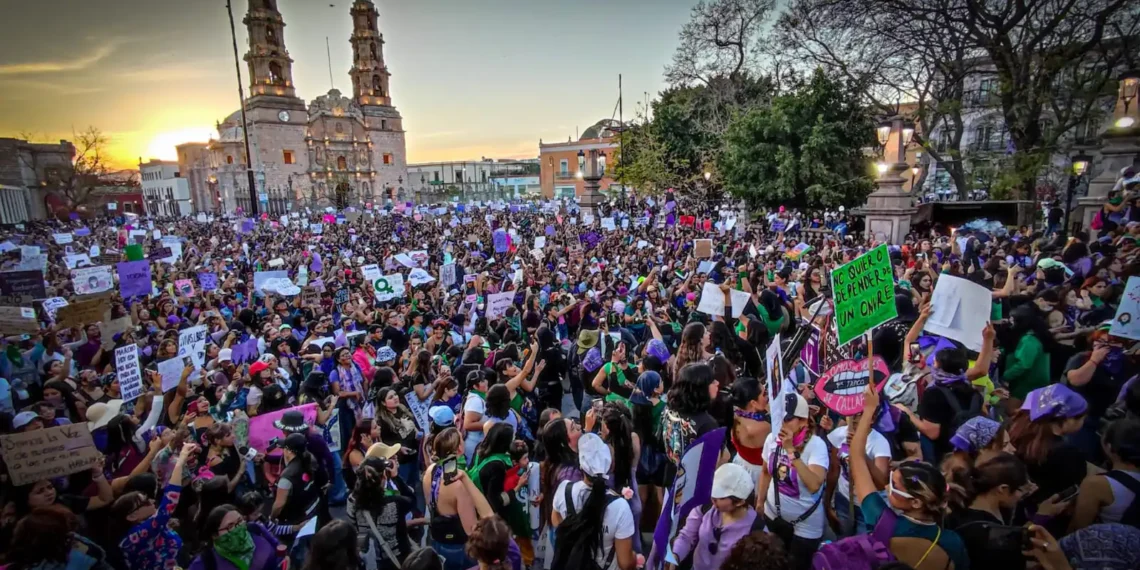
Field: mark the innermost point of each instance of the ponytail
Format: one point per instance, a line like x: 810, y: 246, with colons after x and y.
x: 583, y: 530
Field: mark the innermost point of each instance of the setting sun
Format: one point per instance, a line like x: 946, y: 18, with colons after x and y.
x: 161, y: 145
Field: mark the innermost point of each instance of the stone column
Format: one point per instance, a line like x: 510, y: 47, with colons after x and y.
x: 1120, y: 148
x: 889, y: 208
x: 591, y: 195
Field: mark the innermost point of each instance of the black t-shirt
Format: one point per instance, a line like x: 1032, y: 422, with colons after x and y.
x: 935, y: 408
x: 974, y: 528
x: 395, y: 338
x: 904, y: 433
x: 1055, y: 215
x: 1063, y: 467
x: 1100, y: 392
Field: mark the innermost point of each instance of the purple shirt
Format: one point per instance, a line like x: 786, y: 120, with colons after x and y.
x: 697, y: 534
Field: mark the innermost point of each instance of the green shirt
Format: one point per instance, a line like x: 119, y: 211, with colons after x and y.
x: 1027, y: 368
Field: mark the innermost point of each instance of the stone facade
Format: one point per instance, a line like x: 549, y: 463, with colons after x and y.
x: 336, y: 150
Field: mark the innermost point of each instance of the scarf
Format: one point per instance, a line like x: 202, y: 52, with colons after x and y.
x: 236, y: 546
x: 15, y: 355
x: 755, y: 416
x: 942, y: 378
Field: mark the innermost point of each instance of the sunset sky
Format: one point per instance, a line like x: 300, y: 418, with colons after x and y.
x: 471, y: 78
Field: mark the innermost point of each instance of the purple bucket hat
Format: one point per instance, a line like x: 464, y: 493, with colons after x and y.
x: 657, y: 348
x: 1055, y: 401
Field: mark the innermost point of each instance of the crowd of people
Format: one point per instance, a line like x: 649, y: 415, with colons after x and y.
x: 333, y: 417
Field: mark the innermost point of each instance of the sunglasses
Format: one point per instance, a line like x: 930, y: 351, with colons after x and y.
x: 894, y: 491
x: 714, y: 546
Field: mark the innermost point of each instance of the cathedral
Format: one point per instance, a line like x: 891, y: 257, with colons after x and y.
x: 336, y: 151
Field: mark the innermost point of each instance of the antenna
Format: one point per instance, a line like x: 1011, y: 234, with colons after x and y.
x: 328, y: 53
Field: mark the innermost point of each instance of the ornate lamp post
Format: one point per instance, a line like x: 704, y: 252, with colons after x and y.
x: 1120, y: 146
x: 889, y: 208
x: 1080, y: 167
x: 591, y: 196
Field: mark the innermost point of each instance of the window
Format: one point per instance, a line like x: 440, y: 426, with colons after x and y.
x: 563, y: 166
x: 372, y: 50
x: 383, y: 124
x: 341, y: 163
x: 275, y: 74
x: 270, y: 37
x: 581, y: 163
x: 229, y: 159
x: 128, y: 206
x: 339, y: 127
x: 435, y: 176
x: 602, y: 164
x: 288, y: 157
x: 377, y: 86
x: 988, y: 85
x: 387, y: 158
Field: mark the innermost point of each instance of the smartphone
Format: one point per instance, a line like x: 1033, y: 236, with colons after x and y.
x: 1009, y: 538
x: 1068, y: 493
x: 915, y: 352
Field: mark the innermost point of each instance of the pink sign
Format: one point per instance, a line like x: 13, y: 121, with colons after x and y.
x: 329, y: 218
x: 262, y: 430
x: 841, y: 387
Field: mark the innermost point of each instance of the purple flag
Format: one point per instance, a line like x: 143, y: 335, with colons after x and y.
x: 83, y: 232
x: 247, y: 226
x: 245, y: 351
x: 671, y: 219
x: 134, y: 278
x: 691, y: 488
x: 502, y: 244
x: 316, y: 266
x: 550, y: 230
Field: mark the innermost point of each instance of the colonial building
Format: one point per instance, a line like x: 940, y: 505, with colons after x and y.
x: 335, y: 150
x: 29, y: 174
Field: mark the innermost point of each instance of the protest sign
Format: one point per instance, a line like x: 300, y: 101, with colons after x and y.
x: 53, y: 305
x: 18, y: 320
x: 341, y: 296
x: 192, y: 343
x: 207, y: 281
x: 260, y: 277
x: 262, y: 429
x: 608, y: 224
x: 37, y: 262
x: 48, y: 453
x: 134, y: 278
x: 245, y: 351
x: 841, y: 387
x: 92, y: 280
x: 159, y: 253
x: 81, y: 313
x: 864, y: 294
x: 389, y: 287
x: 185, y: 287
x: 419, y: 277
x: 405, y: 260
x: 809, y: 354
x: 959, y: 310
x: 128, y: 372
x: 539, y: 242
x: 712, y: 300
x: 63, y: 239
x: 497, y: 303
x: 108, y: 329
x: 310, y: 296
x: 797, y: 252
x: 21, y: 287
x: 1125, y: 323
x: 171, y: 371
x: 371, y: 272
x: 702, y: 248
x: 73, y: 260
x: 447, y: 274
x: 501, y: 241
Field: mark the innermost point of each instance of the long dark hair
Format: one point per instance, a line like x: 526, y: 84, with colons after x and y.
x: 556, y: 446
x: 1027, y: 319
x: 498, y: 440
x: 689, y: 395
x: 212, y: 523
x: 498, y: 401
x: 616, y: 418
x: 214, y: 492
x: 725, y: 340
x: 584, y: 529
x: 334, y: 546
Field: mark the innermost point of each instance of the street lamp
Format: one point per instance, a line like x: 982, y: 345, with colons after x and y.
x: 882, y: 167
x: 707, y: 176
x: 883, y: 132
x: 1129, y: 82
x: 1080, y: 167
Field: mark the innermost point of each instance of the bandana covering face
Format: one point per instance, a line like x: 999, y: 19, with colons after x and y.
x: 236, y: 546
x: 1056, y: 401
x: 976, y: 434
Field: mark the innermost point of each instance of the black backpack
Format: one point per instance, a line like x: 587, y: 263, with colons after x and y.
x: 961, y: 415
x: 1132, y: 513
x: 567, y: 555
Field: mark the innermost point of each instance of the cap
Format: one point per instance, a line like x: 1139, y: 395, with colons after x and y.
x: 226, y: 355
x: 257, y: 367
x: 296, y: 442
x: 442, y: 416
x: 594, y: 455
x: 796, y: 406
x: 732, y: 481
x: 383, y: 451
x: 22, y: 419
x: 285, y: 326
x: 385, y: 354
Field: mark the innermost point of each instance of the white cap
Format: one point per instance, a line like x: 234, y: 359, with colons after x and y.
x: 797, y: 410
x: 732, y: 481
x: 225, y: 354
x: 594, y: 455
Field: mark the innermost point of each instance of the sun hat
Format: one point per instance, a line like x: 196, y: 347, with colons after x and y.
x: 383, y: 451
x: 100, y: 413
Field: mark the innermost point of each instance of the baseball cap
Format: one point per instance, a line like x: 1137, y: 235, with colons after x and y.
x: 22, y: 419
x: 796, y: 406
x: 442, y: 416
x: 732, y: 480
x: 225, y: 355
x: 296, y: 442
x: 594, y: 455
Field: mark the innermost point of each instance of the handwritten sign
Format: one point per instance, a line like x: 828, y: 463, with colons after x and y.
x: 185, y: 287
x: 23, y: 286
x: 129, y: 373
x: 1126, y: 323
x: 497, y: 303
x: 81, y: 313
x: 864, y: 294
x: 18, y: 320
x: 447, y: 274
x: 63, y: 239
x: 702, y: 248
x: 841, y: 387
x: 207, y: 281
x: 389, y: 287
x: 134, y: 278
x: 501, y: 241
x: 48, y: 453
x: 92, y: 280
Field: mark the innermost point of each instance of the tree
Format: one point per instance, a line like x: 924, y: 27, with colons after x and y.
x: 89, y: 169
x: 720, y: 40
x: 805, y: 149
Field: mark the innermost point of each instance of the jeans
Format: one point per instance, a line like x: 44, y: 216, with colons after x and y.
x: 842, y: 511
x: 338, y: 494
x: 454, y: 558
x: 410, y: 473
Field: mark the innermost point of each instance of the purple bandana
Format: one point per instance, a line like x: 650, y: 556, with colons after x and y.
x: 974, y: 435
x: 1055, y: 401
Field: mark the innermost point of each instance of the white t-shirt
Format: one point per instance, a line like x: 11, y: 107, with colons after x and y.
x: 877, y: 446
x: 617, y: 523
x: 474, y: 404
x: 795, y: 499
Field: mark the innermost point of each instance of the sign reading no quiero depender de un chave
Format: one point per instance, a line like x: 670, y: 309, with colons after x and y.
x: 864, y: 294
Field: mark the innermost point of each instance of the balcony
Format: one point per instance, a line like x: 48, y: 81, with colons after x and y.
x: 987, y: 145
x: 981, y: 99
x: 565, y: 175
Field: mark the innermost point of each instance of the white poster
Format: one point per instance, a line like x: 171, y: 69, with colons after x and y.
x: 371, y: 272
x: 712, y: 301
x: 497, y: 304
x: 92, y: 280
x: 74, y: 260
x: 419, y: 277
x: 63, y: 239
x: 127, y: 368
x: 447, y: 274
x: 389, y: 287
x: 961, y: 310
x: 171, y: 372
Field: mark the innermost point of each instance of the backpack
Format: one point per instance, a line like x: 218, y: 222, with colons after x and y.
x: 961, y: 415
x: 859, y: 552
x: 570, y: 557
x: 1098, y: 220
x: 1131, y: 515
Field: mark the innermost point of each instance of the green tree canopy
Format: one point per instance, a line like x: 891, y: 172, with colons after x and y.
x: 806, y: 149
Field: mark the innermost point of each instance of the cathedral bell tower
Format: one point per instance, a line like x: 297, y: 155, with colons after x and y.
x: 369, y: 74
x: 270, y: 67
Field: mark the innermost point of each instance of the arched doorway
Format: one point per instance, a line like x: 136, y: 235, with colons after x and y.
x: 341, y: 197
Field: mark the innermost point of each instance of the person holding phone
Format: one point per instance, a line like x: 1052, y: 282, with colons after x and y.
x: 454, y: 502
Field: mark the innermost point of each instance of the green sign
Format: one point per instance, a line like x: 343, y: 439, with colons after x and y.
x: 864, y: 294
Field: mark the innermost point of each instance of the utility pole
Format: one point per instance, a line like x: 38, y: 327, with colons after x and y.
x: 244, y: 122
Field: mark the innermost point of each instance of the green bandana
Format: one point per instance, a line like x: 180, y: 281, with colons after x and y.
x: 236, y: 546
